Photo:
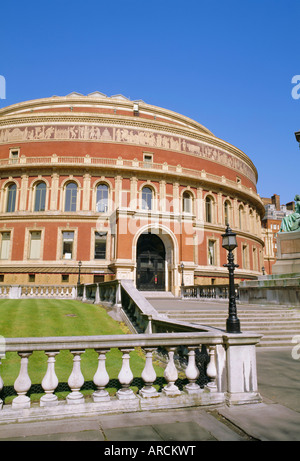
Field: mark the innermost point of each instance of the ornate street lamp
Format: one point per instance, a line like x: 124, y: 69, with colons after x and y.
x: 182, y: 267
x: 79, y: 267
x: 229, y: 243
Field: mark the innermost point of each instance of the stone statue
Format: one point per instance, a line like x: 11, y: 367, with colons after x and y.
x: 292, y: 222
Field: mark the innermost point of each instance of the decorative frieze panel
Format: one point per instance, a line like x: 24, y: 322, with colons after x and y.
x: 136, y: 136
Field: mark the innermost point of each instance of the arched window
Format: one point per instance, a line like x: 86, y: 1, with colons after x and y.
x: 102, y: 198
x: 11, y: 198
x: 241, y: 211
x: 187, y: 202
x: 227, y: 212
x: 251, y: 221
x: 71, y: 196
x: 40, y: 197
x: 208, y: 209
x: 147, y: 198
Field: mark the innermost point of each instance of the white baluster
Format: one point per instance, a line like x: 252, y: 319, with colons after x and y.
x: 211, y: 370
x: 101, y: 379
x: 171, y: 375
x: 22, y: 384
x: 125, y: 377
x: 1, y: 384
x: 192, y: 373
x: 76, y: 380
x: 50, y: 382
x: 148, y: 376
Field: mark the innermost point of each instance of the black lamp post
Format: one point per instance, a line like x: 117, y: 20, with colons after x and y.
x: 79, y: 267
x: 182, y: 281
x: 229, y: 243
x: 263, y: 270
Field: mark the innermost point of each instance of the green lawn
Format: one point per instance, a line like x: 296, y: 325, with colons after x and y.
x: 37, y: 317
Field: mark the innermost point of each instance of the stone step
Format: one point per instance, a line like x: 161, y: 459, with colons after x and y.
x: 276, y: 340
x: 240, y: 311
x: 252, y: 325
x: 157, y: 294
x: 257, y: 327
x: 277, y: 343
x: 265, y: 334
x: 244, y: 314
x: 272, y: 321
x: 277, y: 327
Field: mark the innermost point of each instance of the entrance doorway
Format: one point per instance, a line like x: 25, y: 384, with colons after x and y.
x: 151, y: 257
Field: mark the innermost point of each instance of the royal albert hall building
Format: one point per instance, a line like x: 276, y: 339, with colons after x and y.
x: 121, y: 189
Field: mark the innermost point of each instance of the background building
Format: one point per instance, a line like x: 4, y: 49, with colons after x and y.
x: 129, y: 189
x: 271, y: 222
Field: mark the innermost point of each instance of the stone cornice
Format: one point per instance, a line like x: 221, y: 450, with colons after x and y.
x: 112, y: 103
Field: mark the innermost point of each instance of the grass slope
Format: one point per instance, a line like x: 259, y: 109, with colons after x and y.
x: 43, y: 317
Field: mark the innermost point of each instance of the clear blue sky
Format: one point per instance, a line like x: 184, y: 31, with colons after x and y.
x: 227, y: 64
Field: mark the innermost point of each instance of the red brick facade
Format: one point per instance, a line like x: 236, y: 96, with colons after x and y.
x: 82, y: 178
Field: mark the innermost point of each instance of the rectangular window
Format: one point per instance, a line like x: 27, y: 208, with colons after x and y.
x: 100, y: 245
x: 211, y: 253
x: 148, y: 158
x: 14, y: 155
x: 65, y: 278
x: 5, y: 245
x: 67, y: 245
x: 35, y: 245
x: 31, y: 278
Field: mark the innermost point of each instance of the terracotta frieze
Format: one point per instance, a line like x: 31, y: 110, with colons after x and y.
x: 135, y: 136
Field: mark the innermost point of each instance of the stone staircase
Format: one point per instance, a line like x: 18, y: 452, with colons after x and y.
x: 277, y: 325
x: 157, y: 294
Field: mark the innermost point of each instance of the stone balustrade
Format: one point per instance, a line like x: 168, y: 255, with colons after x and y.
x: 37, y: 291
x: 207, y: 291
x: 230, y: 373
x: 128, y: 164
x: 131, y: 307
